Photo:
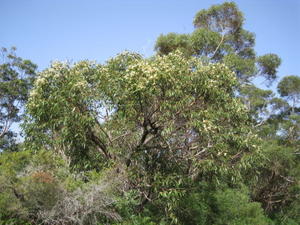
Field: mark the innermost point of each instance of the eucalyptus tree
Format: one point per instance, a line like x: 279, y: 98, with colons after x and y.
x: 16, y: 76
x: 219, y: 36
x: 165, y: 122
x: 278, y: 186
x: 289, y: 88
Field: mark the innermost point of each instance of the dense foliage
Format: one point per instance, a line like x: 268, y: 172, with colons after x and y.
x: 16, y: 76
x: 183, y: 137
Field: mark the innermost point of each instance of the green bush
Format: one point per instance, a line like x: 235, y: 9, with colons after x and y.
x: 219, y: 207
x: 235, y: 208
x: 29, y: 182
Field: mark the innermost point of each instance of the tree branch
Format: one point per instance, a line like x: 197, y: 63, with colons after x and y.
x: 5, y: 128
x: 100, y: 144
x: 219, y: 45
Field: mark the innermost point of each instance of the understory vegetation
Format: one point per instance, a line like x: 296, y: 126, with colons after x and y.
x: 183, y: 137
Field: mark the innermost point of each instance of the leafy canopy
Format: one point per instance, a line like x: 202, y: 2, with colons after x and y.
x: 219, y: 36
x: 16, y: 76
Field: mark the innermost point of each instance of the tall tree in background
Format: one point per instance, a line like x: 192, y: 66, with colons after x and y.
x: 219, y: 36
x: 289, y: 88
x: 278, y: 184
x: 16, y: 75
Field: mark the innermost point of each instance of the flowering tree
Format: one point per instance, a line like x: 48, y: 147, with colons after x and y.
x: 165, y: 121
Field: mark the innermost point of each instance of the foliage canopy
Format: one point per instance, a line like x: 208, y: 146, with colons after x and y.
x: 183, y: 137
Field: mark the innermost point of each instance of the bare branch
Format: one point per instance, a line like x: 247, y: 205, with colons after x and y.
x: 5, y: 128
x: 219, y: 45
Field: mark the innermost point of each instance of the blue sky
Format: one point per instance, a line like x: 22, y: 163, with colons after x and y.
x: 45, y: 30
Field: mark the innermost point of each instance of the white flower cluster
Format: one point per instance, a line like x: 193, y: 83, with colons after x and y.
x: 33, y: 93
x: 81, y: 84
x: 40, y: 81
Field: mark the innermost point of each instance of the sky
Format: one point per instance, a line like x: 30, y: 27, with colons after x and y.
x: 48, y: 30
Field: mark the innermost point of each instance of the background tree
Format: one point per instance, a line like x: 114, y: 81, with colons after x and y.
x: 219, y: 36
x: 16, y: 76
x: 289, y: 87
x: 278, y: 184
